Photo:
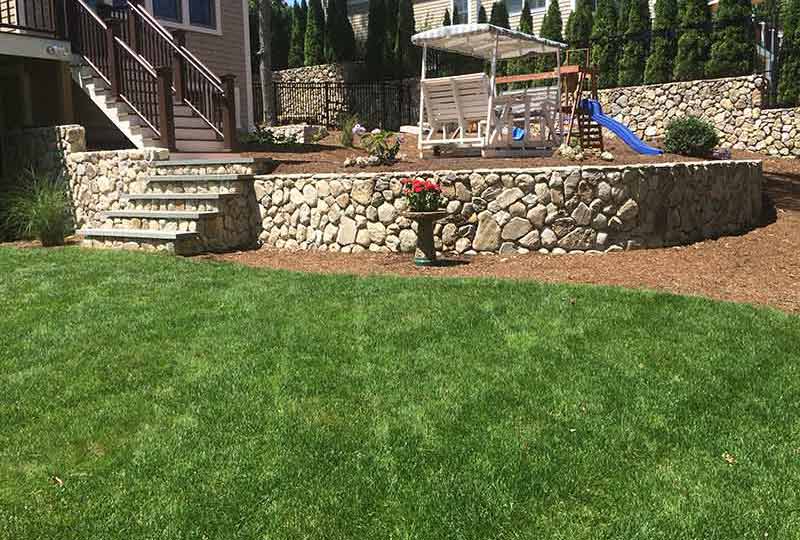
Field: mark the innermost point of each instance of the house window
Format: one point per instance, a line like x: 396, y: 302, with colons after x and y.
x: 202, y: 13
x: 460, y: 11
x: 538, y: 4
x: 514, y: 7
x: 167, y: 9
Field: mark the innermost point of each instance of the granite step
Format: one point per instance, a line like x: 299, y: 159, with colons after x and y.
x: 160, y: 214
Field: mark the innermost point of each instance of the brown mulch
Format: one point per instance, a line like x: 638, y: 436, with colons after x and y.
x: 328, y: 156
x: 761, y: 267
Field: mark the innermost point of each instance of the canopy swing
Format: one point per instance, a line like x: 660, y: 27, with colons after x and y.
x: 450, y: 107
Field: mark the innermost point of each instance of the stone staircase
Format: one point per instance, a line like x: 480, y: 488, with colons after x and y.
x: 186, y: 207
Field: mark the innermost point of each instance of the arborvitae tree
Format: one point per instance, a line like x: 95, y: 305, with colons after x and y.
x: 332, y: 32
x: 664, y: 47
x: 315, y: 34
x: 446, y: 21
x: 789, y: 81
x: 376, y: 39
x: 482, y: 15
x: 499, y: 16
x: 391, y: 36
x: 733, y: 43
x: 298, y: 38
x: 551, y: 29
x: 281, y: 32
x: 605, y: 45
x: 637, y: 44
x: 406, y: 55
x: 693, y: 43
x: 456, y: 15
x: 623, y: 7
x: 579, y: 25
x: 527, y: 64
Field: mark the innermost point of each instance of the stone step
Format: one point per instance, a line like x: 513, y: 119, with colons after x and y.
x: 137, y: 233
x: 176, y: 178
x: 159, y: 214
x: 176, y: 196
x: 212, y: 165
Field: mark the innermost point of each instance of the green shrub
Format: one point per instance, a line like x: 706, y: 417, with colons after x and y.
x: 690, y: 136
x: 347, y: 123
x: 38, y: 208
x: 379, y: 144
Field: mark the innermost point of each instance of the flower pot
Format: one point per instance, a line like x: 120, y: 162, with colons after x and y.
x: 425, y: 254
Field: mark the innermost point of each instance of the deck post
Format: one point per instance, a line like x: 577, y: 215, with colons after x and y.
x: 179, y: 66
x: 560, y: 133
x: 422, y: 98
x: 133, y: 38
x: 166, y: 118
x: 229, y: 112
x: 115, y: 73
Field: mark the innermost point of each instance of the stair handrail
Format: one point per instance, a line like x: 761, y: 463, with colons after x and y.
x: 151, y: 72
x: 92, y: 13
x: 180, y: 49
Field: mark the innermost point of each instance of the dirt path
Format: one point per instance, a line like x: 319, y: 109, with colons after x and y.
x: 760, y: 267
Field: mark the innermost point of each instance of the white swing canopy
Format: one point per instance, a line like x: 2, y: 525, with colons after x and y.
x: 480, y: 40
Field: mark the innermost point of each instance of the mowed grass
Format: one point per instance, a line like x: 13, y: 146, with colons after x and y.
x: 146, y: 396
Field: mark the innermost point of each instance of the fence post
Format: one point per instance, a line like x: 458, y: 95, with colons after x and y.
x: 400, y: 100
x: 179, y: 66
x: 114, y: 72
x: 229, y: 112
x: 275, y: 87
x: 383, y: 104
x: 166, y: 118
x: 327, y: 103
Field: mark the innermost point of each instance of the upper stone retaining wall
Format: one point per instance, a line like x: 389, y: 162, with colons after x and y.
x: 732, y: 105
x: 547, y: 209
x: 44, y: 150
x: 346, y: 72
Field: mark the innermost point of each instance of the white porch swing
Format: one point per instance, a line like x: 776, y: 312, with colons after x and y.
x: 450, y: 107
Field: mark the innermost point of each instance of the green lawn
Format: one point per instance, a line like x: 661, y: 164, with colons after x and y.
x: 146, y: 396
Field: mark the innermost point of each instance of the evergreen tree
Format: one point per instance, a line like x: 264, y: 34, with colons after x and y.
x: 623, y: 7
x: 693, y: 43
x: 446, y: 21
x: 528, y: 64
x: 456, y: 15
x: 376, y: 39
x: 637, y: 44
x: 579, y: 25
x: 551, y: 29
x: 391, y: 36
x: 315, y: 34
x: 281, y: 31
x: 298, y: 38
x: 733, y: 42
x: 482, y: 15
x: 662, y: 53
x: 789, y: 81
x: 406, y: 54
x: 605, y: 44
x: 499, y: 16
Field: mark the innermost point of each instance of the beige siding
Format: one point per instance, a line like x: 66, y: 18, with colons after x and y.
x: 226, y: 53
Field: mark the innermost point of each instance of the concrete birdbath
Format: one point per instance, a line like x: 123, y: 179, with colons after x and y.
x: 424, y: 200
x: 425, y: 254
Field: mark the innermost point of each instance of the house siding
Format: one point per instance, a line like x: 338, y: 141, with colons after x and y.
x: 228, y: 53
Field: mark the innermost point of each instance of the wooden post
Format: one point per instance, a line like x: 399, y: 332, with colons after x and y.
x: 229, y: 112
x: 179, y: 67
x: 560, y: 117
x: 59, y: 8
x: 166, y: 119
x: 133, y: 37
x: 114, y: 71
x: 492, y: 90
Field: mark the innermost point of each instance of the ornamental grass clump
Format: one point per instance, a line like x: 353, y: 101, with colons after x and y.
x: 690, y: 136
x: 38, y: 208
x: 422, y: 195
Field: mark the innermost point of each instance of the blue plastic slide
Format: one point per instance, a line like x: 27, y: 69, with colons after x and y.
x: 627, y: 136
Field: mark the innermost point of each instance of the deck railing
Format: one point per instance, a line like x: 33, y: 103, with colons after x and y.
x: 37, y: 17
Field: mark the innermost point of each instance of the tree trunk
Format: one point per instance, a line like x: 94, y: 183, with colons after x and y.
x: 265, y: 59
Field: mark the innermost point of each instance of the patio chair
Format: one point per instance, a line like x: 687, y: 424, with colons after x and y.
x: 453, y: 105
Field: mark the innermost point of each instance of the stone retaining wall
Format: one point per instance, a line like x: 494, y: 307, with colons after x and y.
x: 732, y: 105
x: 345, y: 72
x: 552, y: 210
x: 44, y: 150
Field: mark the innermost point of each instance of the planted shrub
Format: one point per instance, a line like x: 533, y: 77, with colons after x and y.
x: 38, y: 208
x: 690, y: 136
x: 348, y: 122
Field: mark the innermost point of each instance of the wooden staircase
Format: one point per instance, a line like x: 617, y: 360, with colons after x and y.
x: 148, y: 84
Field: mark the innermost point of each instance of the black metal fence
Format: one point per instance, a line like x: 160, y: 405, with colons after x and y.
x: 387, y: 105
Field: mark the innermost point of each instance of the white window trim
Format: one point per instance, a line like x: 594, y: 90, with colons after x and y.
x: 453, y: 9
x: 185, y: 25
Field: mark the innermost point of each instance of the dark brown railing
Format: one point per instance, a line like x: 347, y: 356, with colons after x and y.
x: 194, y: 85
x: 145, y: 89
x: 41, y: 17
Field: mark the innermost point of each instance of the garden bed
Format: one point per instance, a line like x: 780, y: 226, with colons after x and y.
x: 328, y: 156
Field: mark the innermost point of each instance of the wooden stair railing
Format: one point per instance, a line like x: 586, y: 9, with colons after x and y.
x: 144, y: 89
x: 210, y: 97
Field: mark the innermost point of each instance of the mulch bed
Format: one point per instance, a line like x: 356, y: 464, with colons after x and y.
x: 328, y: 156
x: 760, y: 267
